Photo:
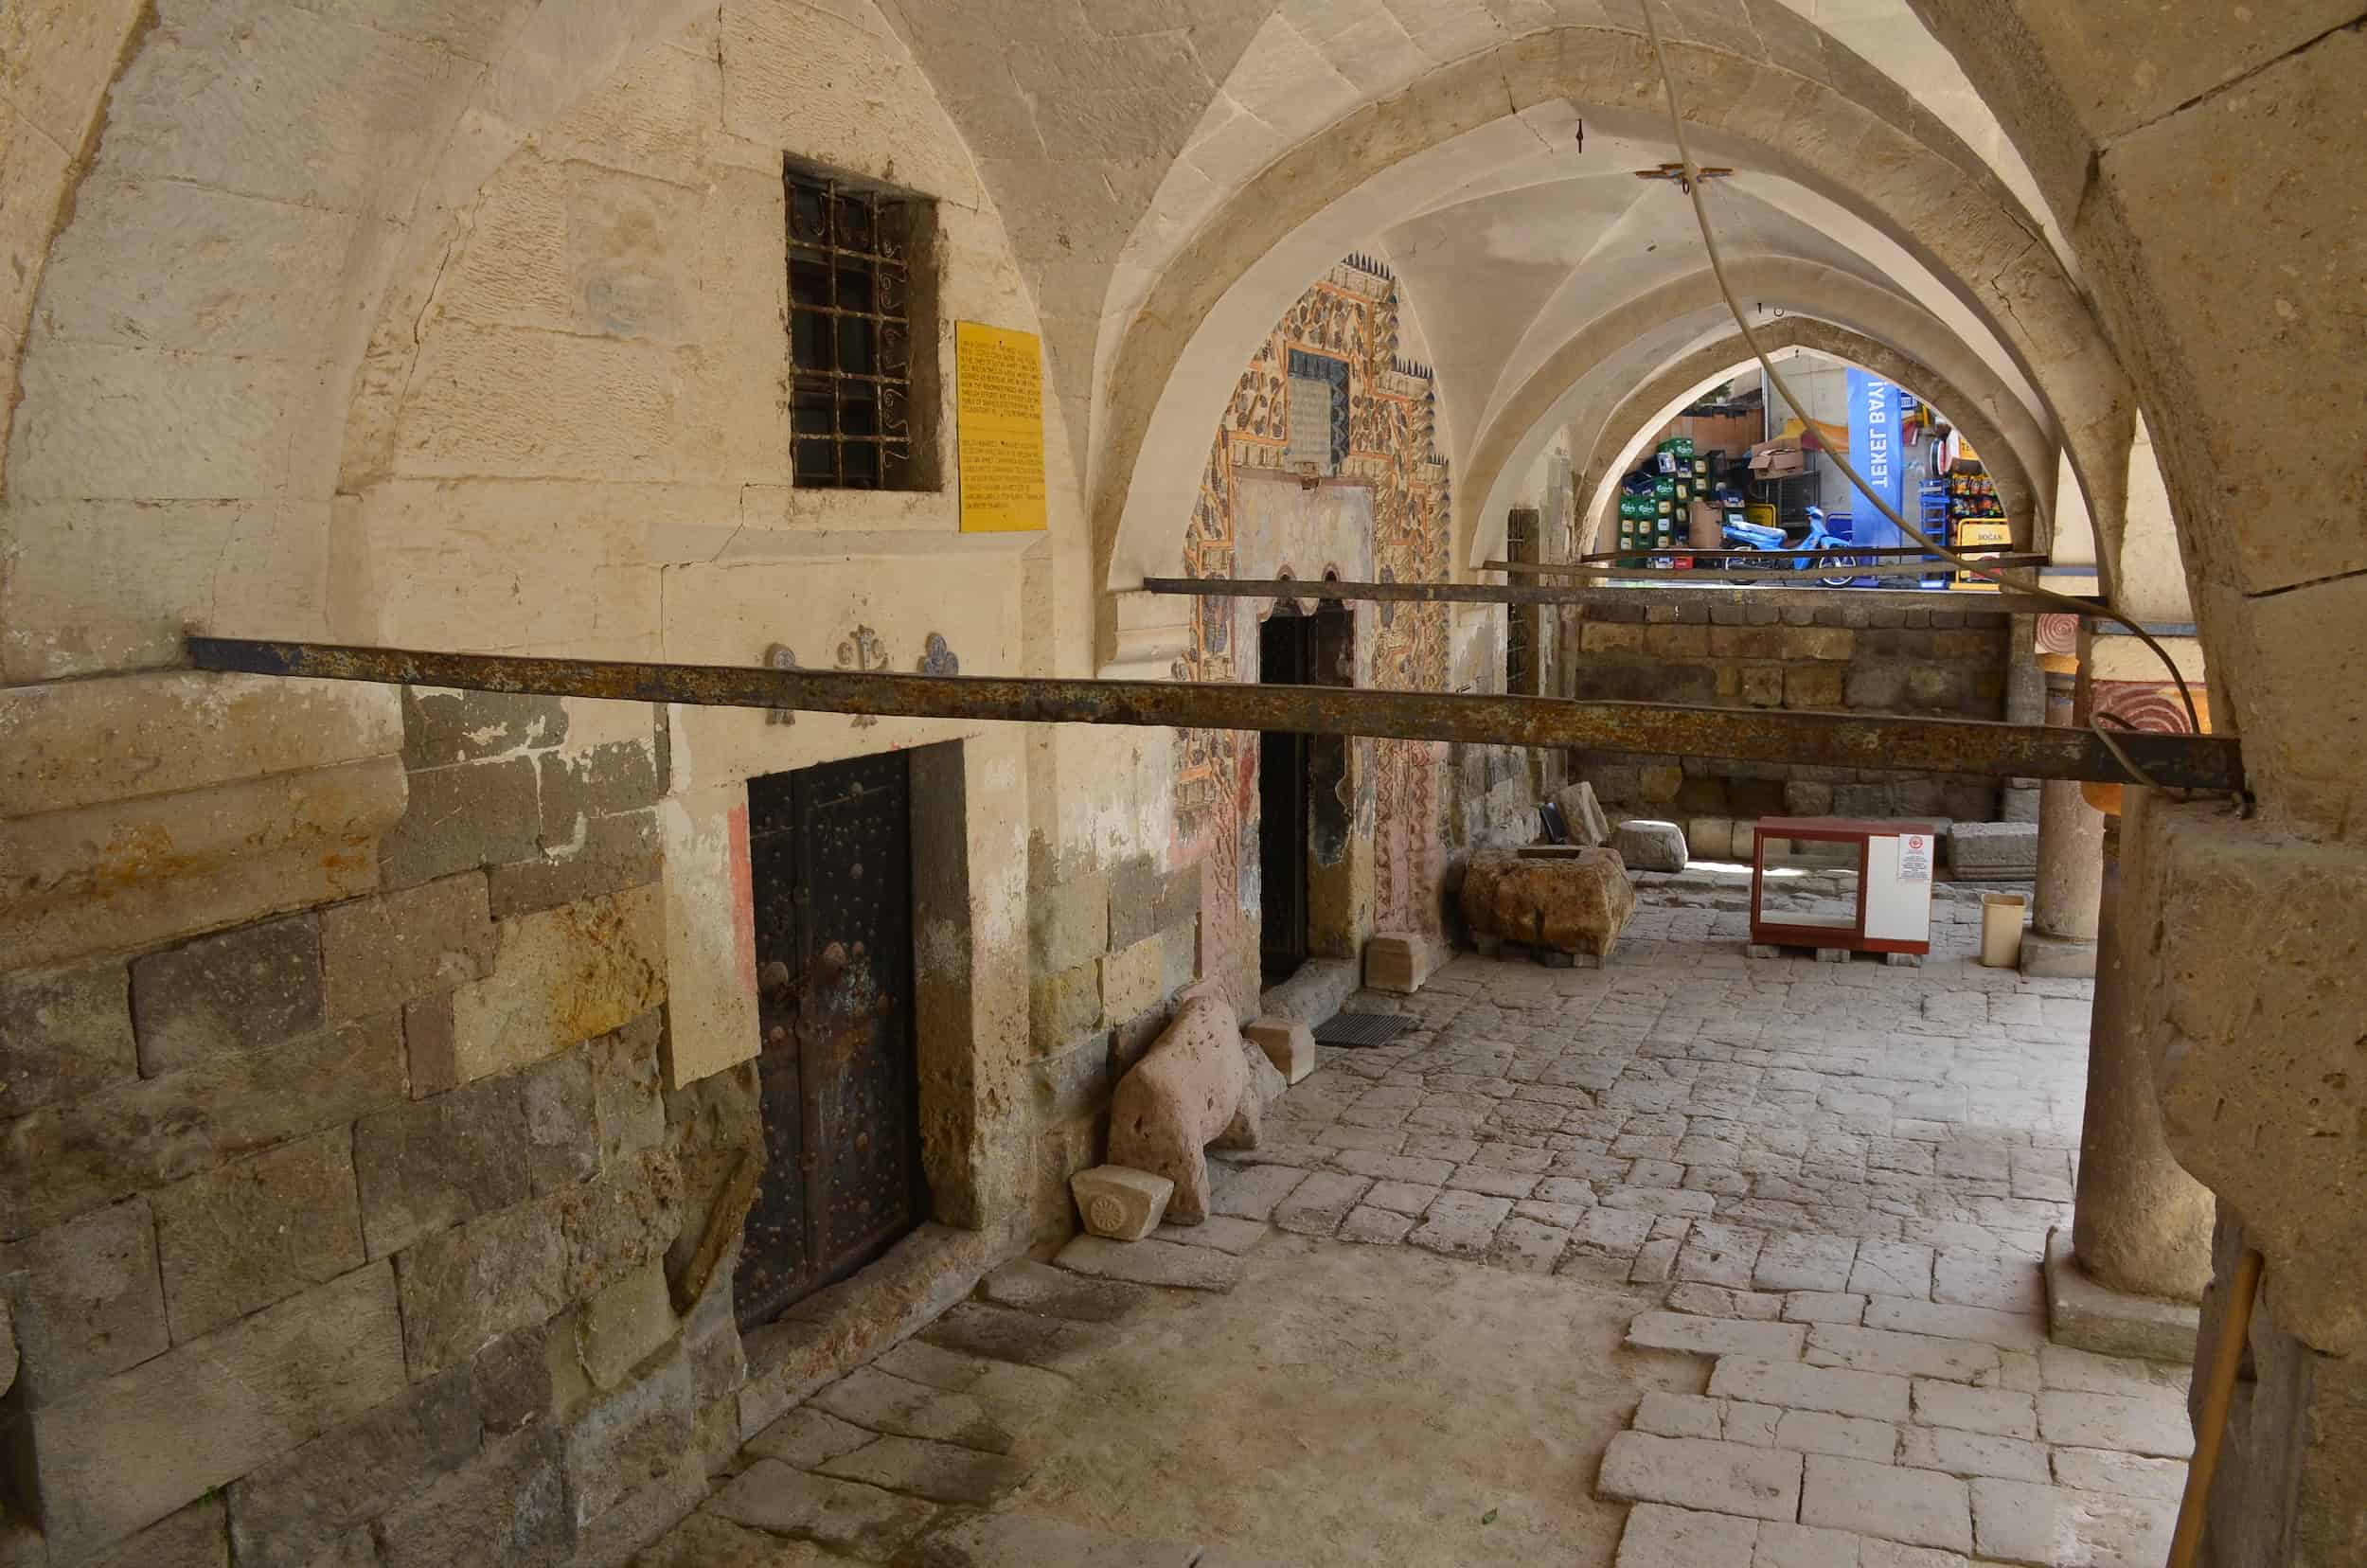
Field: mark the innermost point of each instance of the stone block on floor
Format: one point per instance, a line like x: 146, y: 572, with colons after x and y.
x: 1690, y: 1472
x: 843, y: 1515
x: 2020, y: 1521
x: 1151, y: 1263
x: 1645, y: 845
x: 1401, y: 961
x: 898, y: 1407
x: 1660, y: 1536
x: 2157, y: 1427
x: 1913, y: 1507
x: 1122, y: 1204
x: 1287, y: 1043
x: 942, y: 1473
x: 1796, y: 1385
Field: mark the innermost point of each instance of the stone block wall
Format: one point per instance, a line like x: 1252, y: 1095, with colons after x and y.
x: 1945, y: 662
x: 362, y: 1232
x: 1108, y: 949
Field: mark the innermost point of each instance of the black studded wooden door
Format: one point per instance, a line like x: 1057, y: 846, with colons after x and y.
x: 830, y: 853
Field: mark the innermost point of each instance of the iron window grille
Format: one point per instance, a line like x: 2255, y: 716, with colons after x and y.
x: 852, y: 252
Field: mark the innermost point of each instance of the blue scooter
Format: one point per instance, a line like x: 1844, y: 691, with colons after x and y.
x: 1757, y: 536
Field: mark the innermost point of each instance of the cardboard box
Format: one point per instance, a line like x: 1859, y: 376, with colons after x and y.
x: 1777, y: 464
x: 1705, y: 528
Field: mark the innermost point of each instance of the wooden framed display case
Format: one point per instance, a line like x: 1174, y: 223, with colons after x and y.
x: 1889, y: 863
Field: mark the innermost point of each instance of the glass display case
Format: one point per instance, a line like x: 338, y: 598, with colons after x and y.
x: 1837, y: 882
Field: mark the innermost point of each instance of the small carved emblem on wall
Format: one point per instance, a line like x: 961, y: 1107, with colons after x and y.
x: 938, y: 659
x: 780, y: 656
x: 862, y: 650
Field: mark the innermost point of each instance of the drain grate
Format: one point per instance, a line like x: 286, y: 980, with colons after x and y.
x: 1361, y: 1028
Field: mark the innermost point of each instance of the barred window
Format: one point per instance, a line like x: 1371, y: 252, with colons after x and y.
x: 859, y: 334
x: 1521, y: 620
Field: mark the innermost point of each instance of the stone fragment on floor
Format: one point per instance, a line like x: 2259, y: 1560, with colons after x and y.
x: 942, y: 1473
x: 1037, y: 1287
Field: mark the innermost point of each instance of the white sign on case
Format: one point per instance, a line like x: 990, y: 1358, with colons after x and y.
x: 1915, y: 858
x: 1309, y: 429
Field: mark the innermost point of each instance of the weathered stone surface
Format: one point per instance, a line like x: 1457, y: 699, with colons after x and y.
x: 1020, y: 1540
x: 901, y: 1408
x: 707, y: 1541
x: 1145, y: 900
x: 1716, y: 1336
x: 1068, y: 923
x: 1919, y: 1507
x: 2091, y: 1316
x: 1317, y: 1204
x: 2003, y: 1413
x: 1798, y: 1386
x: 806, y: 1437
x: 2127, y: 1474
x: 628, y: 1437
x: 1583, y: 815
x: 626, y: 1088
x: 1648, y: 846
x: 1401, y: 961
x: 464, y: 1288
x: 296, y: 1509
x: 1993, y: 851
x: 509, y: 1506
x: 378, y: 954
x: 1220, y: 1231
x: 560, y: 1104
x: 561, y: 976
x: 1797, y: 1261
x: 122, y: 1455
x: 244, y: 989
x: 1968, y: 1454
x: 1909, y: 1355
x: 1734, y: 1478
x: 1022, y: 1337
x: 429, y: 1164
x: 178, y: 729
x: 64, y: 1159
x: 1253, y: 1192
x: 612, y: 1334
x: 846, y: 1515
x: 1041, y: 1288
x: 2151, y: 1426
x: 1575, y: 903
x: 239, y: 1239
x: 1193, y: 1088
x: 644, y: 1513
x: 511, y: 1379
x: 463, y: 817
x: 1288, y: 1045
x: 612, y: 854
x: 1817, y: 1432
x: 604, y: 780
x: 63, y: 1033
x: 88, y: 1302
x: 1125, y: 1205
x: 1151, y: 1263
x: 2006, y: 1331
x: 2022, y: 1522
x: 1658, y: 1536
x: 942, y: 1473
x: 442, y: 727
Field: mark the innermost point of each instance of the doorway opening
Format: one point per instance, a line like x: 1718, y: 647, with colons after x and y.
x: 830, y: 864
x: 1303, y: 818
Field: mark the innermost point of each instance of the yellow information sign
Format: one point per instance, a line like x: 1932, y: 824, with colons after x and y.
x: 998, y: 401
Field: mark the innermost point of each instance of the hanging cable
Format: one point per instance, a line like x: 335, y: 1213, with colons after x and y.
x: 1692, y: 183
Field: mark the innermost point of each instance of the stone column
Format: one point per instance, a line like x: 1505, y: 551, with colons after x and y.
x: 2139, y: 1252
x: 2062, y: 941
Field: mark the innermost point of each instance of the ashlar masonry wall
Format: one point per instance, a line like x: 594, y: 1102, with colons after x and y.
x: 376, y: 1070
x: 1949, y: 660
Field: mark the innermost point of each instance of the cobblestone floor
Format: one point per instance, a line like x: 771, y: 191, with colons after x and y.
x: 1841, y: 1176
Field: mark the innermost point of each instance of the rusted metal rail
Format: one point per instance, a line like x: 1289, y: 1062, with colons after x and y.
x: 1826, y: 740
x: 1795, y: 593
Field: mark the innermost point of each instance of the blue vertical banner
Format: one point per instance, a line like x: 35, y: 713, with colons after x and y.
x: 1875, y: 453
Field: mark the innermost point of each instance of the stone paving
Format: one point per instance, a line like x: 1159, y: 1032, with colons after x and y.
x: 1843, y: 1174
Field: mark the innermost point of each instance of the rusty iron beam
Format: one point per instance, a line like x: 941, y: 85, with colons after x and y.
x: 1696, y: 592
x: 1824, y: 739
